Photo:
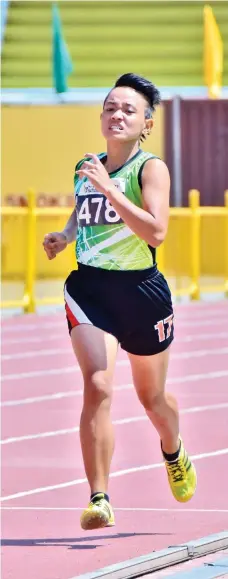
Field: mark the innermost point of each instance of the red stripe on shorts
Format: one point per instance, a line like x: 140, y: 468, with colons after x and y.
x: 72, y: 319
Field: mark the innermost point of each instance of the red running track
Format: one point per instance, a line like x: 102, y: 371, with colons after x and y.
x: 43, y: 481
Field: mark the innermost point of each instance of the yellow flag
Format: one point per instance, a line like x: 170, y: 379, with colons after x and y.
x: 213, y: 54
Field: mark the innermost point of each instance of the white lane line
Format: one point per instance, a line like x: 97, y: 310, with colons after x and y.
x: 37, y: 354
x: 45, y: 398
x: 15, y: 329
x: 130, y: 420
x: 73, y: 393
x: 62, y: 351
x: 75, y: 367
x: 180, y: 380
x: 201, y: 323
x: 38, y: 373
x: 118, y: 473
x: 199, y: 353
x: 202, y: 337
x: 59, y: 337
x: 33, y: 339
x: 131, y: 509
x: 201, y: 313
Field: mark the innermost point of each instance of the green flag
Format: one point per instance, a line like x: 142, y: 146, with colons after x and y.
x: 62, y: 63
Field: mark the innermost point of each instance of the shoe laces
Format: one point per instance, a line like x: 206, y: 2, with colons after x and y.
x: 176, y: 470
x: 100, y: 503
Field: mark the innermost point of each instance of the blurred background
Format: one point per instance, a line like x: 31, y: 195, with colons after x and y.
x: 58, y: 61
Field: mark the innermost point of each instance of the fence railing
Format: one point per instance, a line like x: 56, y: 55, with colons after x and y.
x: 195, y: 212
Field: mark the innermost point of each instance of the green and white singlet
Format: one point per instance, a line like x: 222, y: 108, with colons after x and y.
x: 103, y: 239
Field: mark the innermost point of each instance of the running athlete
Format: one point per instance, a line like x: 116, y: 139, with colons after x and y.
x: 117, y: 296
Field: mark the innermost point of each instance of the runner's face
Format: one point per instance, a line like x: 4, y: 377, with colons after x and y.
x: 123, y: 116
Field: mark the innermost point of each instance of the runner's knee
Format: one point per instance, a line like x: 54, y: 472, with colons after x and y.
x: 151, y: 400
x: 97, y: 390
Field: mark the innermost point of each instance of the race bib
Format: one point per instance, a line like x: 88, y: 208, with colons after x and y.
x: 96, y: 210
x: 93, y: 208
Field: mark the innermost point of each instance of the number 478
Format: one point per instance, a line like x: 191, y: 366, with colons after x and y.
x: 164, y: 332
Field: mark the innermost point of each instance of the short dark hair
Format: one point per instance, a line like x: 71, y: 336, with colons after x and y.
x: 142, y: 86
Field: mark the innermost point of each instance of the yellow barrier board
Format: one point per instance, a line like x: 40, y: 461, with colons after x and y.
x: 42, y: 144
x: 196, y: 245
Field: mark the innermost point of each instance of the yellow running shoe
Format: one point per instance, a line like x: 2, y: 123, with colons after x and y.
x: 98, y: 514
x: 182, y: 476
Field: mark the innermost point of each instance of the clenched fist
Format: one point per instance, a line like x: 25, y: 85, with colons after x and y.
x: 54, y: 243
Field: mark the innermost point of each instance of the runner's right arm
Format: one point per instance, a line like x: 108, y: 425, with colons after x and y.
x: 57, y: 241
x: 70, y: 229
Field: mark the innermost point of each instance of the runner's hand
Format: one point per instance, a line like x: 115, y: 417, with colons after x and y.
x: 54, y: 243
x: 95, y: 171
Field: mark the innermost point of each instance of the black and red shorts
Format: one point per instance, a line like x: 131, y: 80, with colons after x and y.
x: 134, y: 306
